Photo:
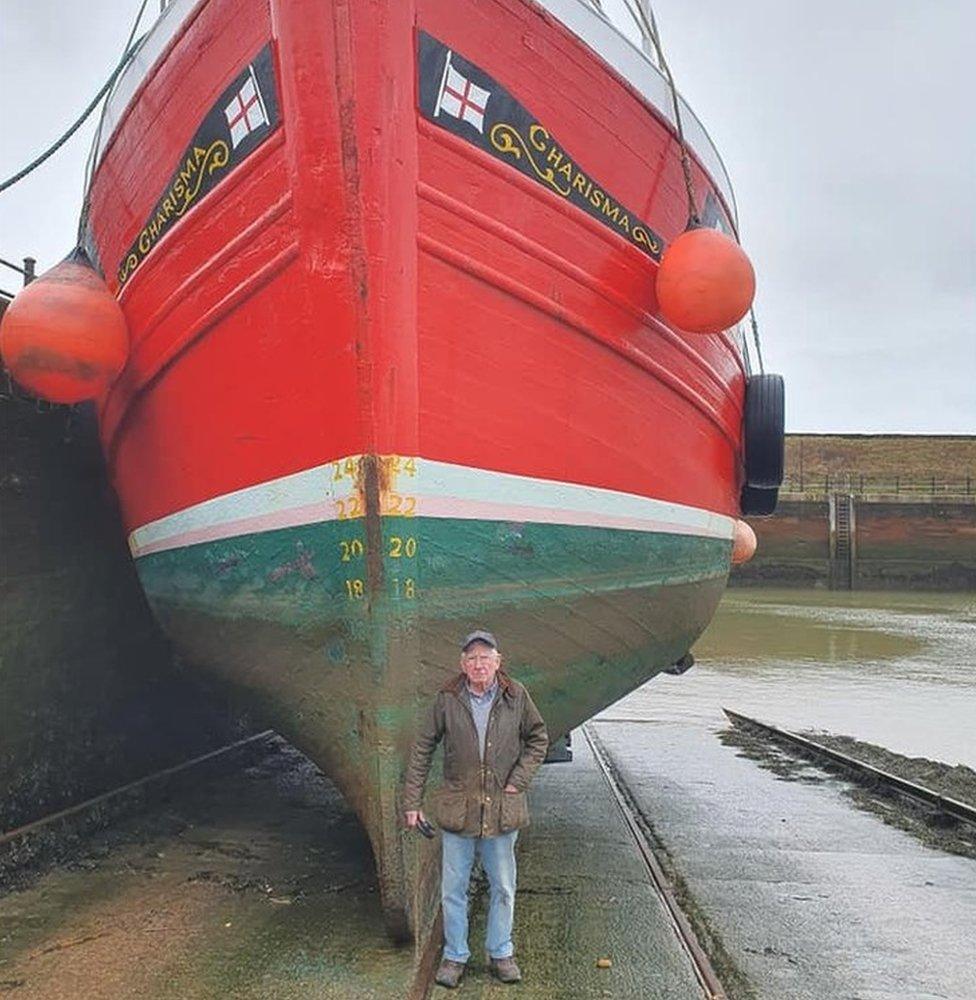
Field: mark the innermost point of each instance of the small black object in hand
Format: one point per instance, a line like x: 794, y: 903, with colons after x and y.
x: 425, y: 828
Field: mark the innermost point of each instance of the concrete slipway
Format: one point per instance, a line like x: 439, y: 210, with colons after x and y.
x: 258, y: 884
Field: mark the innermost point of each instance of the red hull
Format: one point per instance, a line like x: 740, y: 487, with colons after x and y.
x: 361, y: 277
x: 366, y: 282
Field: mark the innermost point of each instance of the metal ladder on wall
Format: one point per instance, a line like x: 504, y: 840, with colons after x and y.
x: 842, y: 542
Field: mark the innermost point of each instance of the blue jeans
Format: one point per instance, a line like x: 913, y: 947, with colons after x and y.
x: 498, y: 860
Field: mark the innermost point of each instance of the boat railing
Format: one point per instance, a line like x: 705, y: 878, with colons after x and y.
x: 172, y: 13
x: 9, y: 390
x: 27, y: 272
x: 633, y: 20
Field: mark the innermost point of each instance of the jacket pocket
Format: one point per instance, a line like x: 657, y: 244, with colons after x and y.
x: 514, y: 812
x: 450, y: 809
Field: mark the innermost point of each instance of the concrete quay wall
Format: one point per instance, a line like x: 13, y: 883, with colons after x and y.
x: 896, y: 543
x: 871, y: 511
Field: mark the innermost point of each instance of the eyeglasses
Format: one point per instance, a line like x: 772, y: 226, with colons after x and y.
x: 480, y: 658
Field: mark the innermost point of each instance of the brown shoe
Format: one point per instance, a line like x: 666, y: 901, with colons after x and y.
x: 505, y: 970
x: 449, y: 974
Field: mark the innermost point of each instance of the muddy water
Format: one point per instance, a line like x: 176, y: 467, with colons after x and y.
x: 898, y: 670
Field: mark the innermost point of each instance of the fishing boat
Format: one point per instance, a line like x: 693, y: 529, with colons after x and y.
x: 398, y: 369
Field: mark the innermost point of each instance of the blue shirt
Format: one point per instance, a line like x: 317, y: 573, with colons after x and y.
x: 480, y: 708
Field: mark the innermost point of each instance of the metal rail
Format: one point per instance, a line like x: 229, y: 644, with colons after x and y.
x: 704, y: 972
x: 866, y: 773
x: 857, y: 484
x: 150, y: 779
x: 428, y: 954
x: 27, y: 272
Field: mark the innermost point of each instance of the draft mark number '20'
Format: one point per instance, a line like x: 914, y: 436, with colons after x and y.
x: 400, y: 547
x: 350, y: 550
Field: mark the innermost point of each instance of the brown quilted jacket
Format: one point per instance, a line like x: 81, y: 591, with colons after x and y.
x: 471, y: 801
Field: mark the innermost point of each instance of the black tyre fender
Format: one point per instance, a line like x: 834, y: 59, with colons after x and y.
x: 681, y: 666
x: 756, y: 501
x: 764, y: 432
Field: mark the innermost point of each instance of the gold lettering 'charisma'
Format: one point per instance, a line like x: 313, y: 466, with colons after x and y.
x: 201, y: 162
x: 509, y: 141
x: 641, y: 236
x: 557, y: 170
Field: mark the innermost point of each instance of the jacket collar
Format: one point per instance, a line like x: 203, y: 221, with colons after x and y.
x: 456, y: 685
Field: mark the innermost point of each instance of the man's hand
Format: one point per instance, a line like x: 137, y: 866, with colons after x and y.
x: 511, y: 788
x: 413, y: 816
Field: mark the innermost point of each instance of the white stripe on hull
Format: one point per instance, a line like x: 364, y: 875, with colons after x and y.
x: 439, y: 489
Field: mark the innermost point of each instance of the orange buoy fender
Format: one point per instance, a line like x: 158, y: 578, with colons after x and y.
x: 64, y: 337
x: 705, y: 282
x: 743, y: 543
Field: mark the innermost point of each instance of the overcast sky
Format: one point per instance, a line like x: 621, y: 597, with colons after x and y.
x: 849, y: 133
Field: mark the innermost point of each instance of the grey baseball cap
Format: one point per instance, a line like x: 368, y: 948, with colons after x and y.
x: 479, y: 635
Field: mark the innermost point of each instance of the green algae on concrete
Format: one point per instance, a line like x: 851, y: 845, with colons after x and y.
x: 584, y: 893
x: 258, y: 886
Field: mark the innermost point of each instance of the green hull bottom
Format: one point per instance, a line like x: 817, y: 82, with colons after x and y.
x: 339, y: 641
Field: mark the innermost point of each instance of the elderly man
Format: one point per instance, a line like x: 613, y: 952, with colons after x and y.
x: 494, y: 741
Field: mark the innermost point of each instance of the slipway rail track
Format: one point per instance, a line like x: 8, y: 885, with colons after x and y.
x: 708, y: 979
x: 863, y: 773
x: 156, y: 778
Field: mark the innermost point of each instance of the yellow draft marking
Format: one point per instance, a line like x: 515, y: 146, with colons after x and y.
x: 346, y: 468
x: 400, y: 547
x: 397, y: 505
x: 395, y: 464
x: 351, y: 550
x: 349, y: 468
x: 349, y: 508
x: 394, y: 502
x: 408, y: 590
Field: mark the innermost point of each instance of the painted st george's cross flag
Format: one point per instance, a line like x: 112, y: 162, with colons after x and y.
x: 461, y: 98
x: 246, y: 112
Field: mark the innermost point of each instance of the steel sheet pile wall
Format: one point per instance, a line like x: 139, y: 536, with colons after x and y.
x: 89, y: 695
x: 923, y: 545
x: 794, y: 547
